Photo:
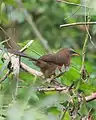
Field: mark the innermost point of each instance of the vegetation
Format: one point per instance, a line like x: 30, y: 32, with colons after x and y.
x: 35, y: 26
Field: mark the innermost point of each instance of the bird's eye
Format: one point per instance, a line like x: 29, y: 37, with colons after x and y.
x: 73, y: 53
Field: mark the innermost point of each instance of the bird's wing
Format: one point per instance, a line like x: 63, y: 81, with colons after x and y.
x: 55, y: 59
x: 51, y: 58
x: 47, y: 58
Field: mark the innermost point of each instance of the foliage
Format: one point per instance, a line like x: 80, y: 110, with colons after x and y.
x: 30, y: 104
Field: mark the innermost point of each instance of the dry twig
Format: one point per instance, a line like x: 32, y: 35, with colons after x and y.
x: 70, y: 3
x: 8, y: 57
x: 78, y: 23
x: 5, y: 76
x: 52, y: 89
x: 30, y: 70
x: 90, y: 97
x: 65, y: 89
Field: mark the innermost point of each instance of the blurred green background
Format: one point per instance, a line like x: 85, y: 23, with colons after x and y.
x: 40, y: 20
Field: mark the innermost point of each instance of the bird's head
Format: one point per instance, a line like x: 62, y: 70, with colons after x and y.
x: 72, y: 52
x: 68, y: 52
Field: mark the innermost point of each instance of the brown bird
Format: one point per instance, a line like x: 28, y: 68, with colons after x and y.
x: 50, y: 62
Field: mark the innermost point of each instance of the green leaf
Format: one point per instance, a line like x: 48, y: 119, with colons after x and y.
x: 54, y: 99
x: 87, y: 88
x: 35, y: 50
x: 57, y: 71
x: 70, y: 76
x: 66, y: 116
x: 83, y: 110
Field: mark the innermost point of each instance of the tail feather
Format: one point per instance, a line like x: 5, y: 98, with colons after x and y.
x: 22, y: 54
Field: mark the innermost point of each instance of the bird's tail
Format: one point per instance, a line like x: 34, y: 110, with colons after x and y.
x: 22, y: 55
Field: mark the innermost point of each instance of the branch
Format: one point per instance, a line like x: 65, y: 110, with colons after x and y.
x: 27, y: 68
x: 70, y: 3
x: 30, y: 70
x: 90, y: 97
x: 64, y: 111
x: 53, y: 89
x: 5, y: 76
x: 4, y: 32
x: 78, y: 23
x: 84, y: 73
x: 22, y: 65
x: 66, y: 89
x: 26, y: 46
x: 84, y: 51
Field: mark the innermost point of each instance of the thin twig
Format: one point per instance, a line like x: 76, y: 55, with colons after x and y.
x: 52, y: 89
x: 4, y: 32
x: 70, y: 3
x: 90, y: 97
x: 84, y: 51
x: 72, y: 14
x: 30, y: 70
x: 65, y: 89
x: 5, y: 76
x: 6, y: 40
x: 17, y: 65
x: 64, y: 112
x: 92, y: 42
x: 90, y: 38
x: 78, y: 23
x: 6, y: 56
x: 83, y: 69
x: 27, y: 68
x: 26, y: 46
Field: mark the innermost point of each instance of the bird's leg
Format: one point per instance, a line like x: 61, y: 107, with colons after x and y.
x: 59, y: 71
x: 51, y: 82
x: 56, y: 83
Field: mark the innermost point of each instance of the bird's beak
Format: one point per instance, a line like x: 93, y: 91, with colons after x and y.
x: 75, y: 54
